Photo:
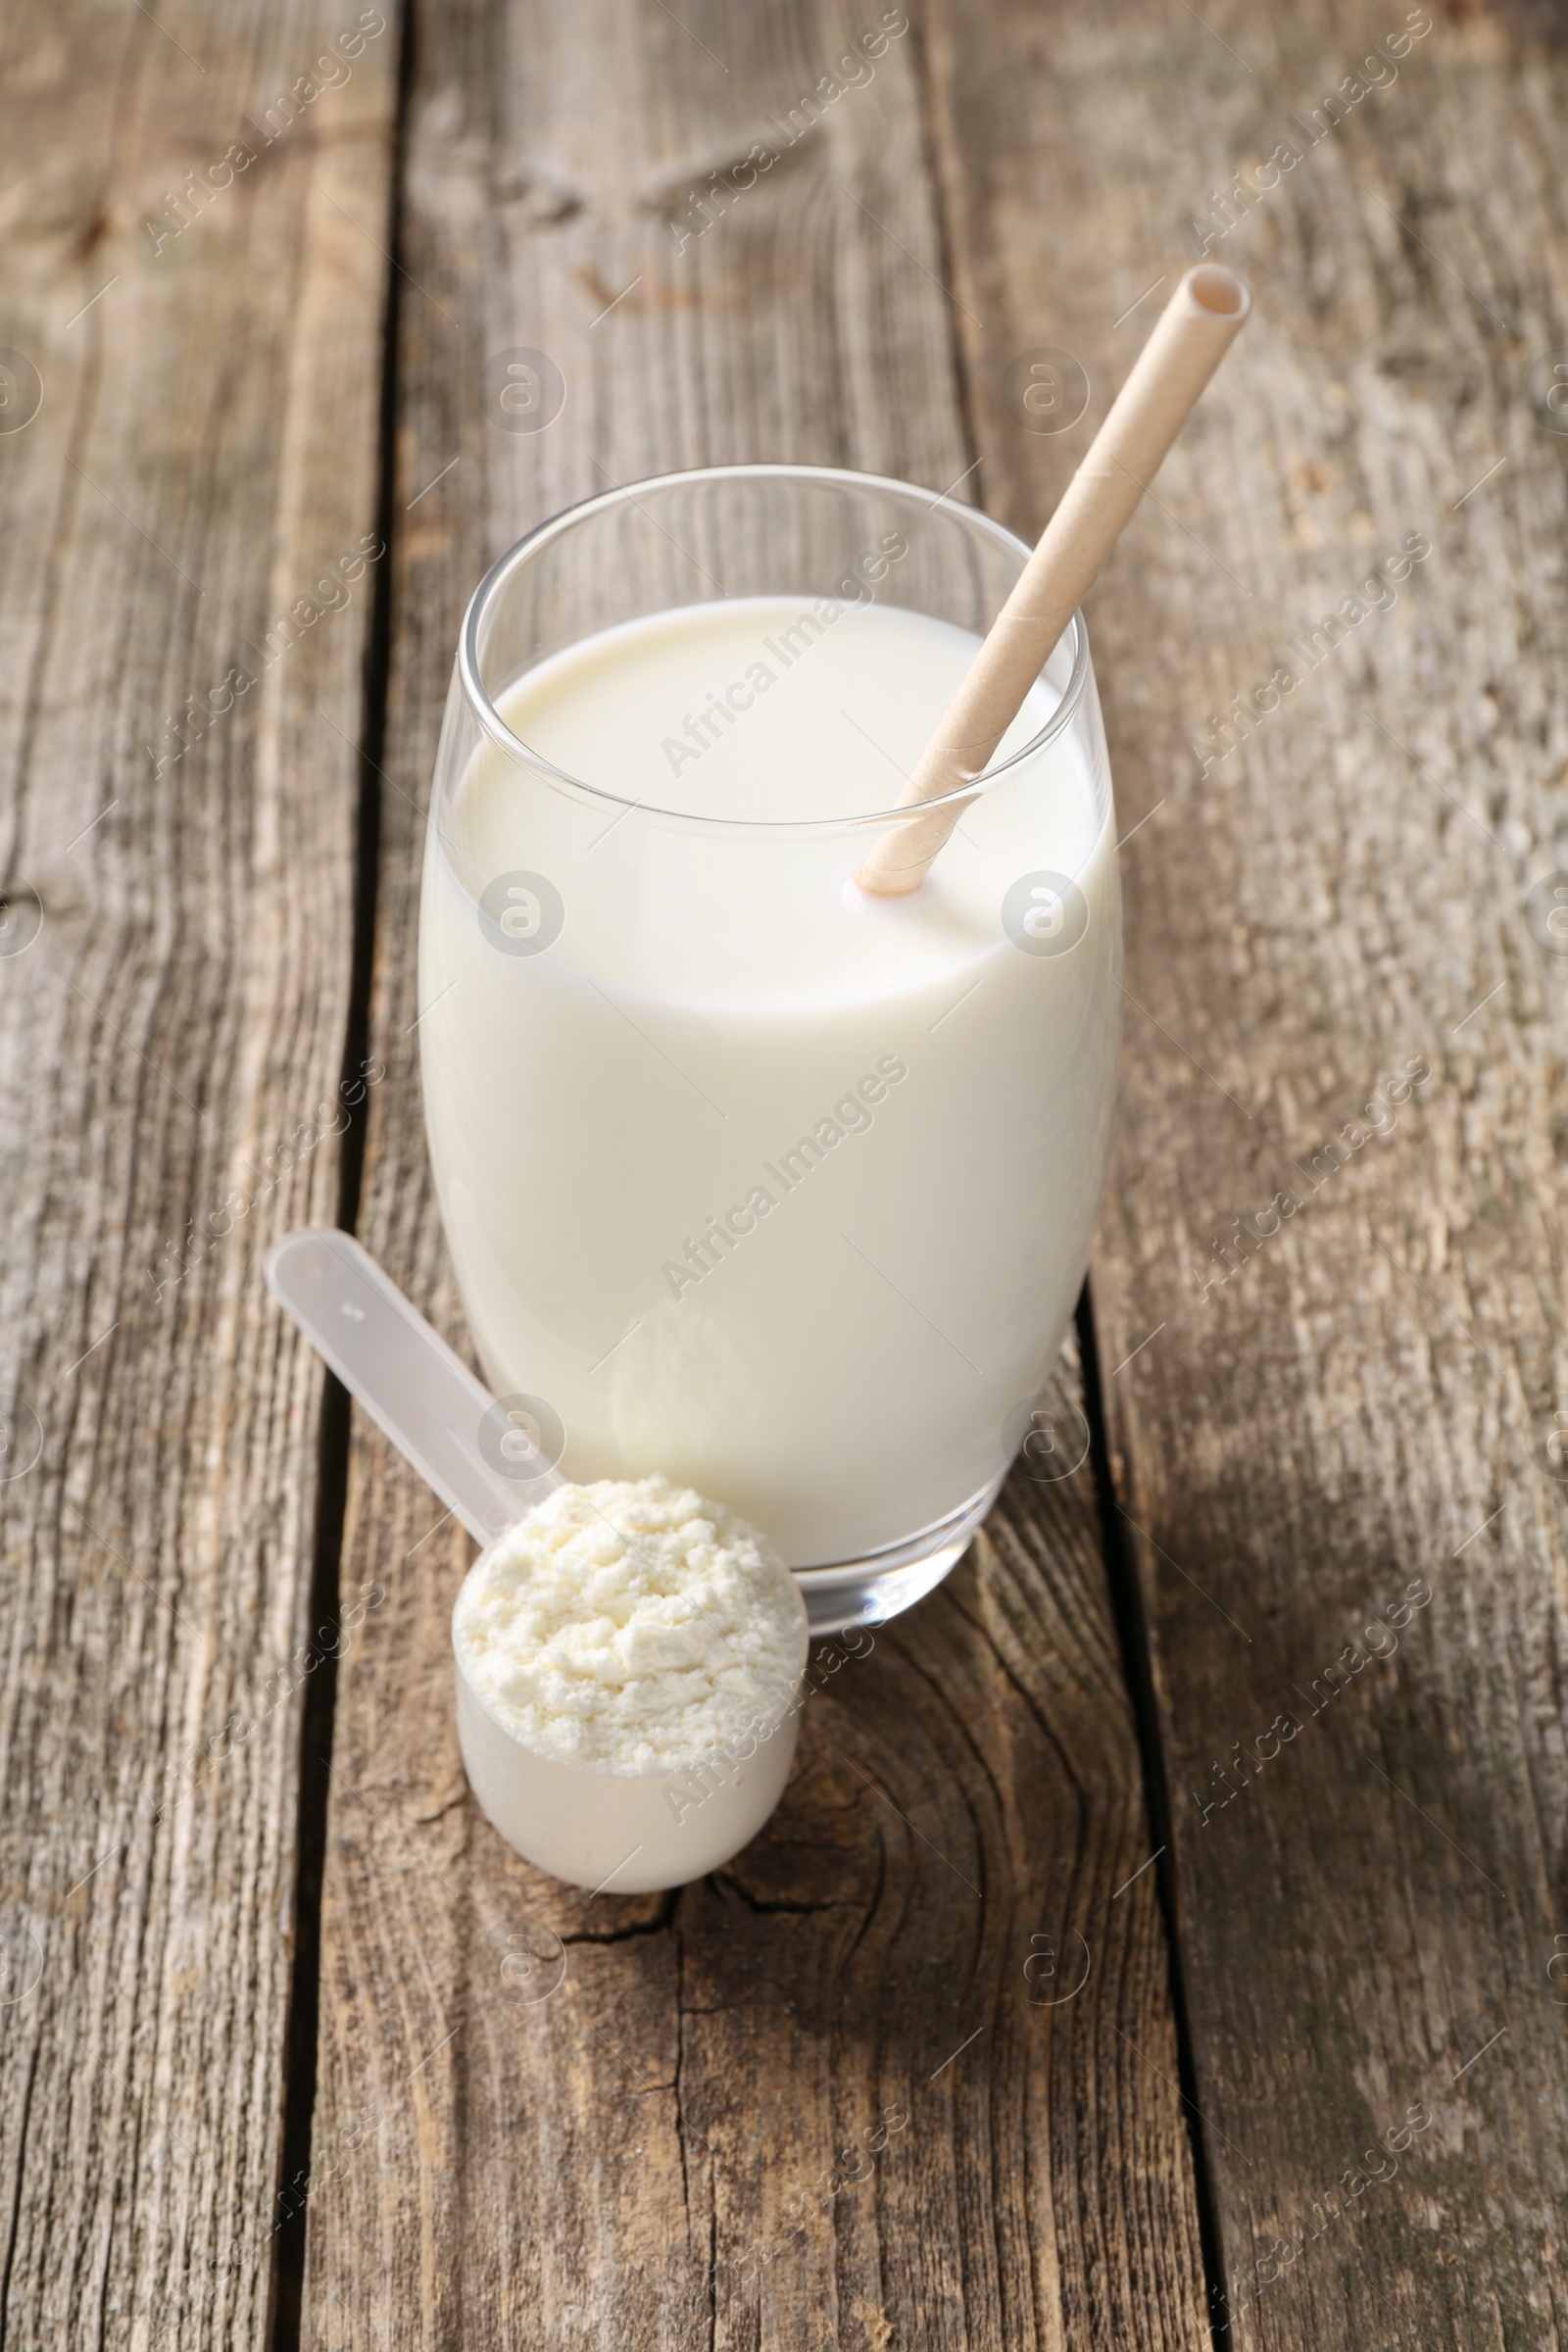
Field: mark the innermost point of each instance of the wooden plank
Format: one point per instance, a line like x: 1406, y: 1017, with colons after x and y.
x: 205, y: 448
x: 600, y: 2120
x: 1368, y: 1397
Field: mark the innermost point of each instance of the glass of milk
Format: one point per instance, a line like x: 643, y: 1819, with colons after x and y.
x: 781, y: 1189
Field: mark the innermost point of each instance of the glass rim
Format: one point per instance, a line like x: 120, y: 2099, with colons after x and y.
x: 626, y: 494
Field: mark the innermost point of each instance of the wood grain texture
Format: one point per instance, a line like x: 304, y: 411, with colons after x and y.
x: 1368, y: 1396
x: 175, y: 971
x: 617, y: 2138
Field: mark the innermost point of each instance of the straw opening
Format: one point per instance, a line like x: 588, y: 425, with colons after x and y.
x: 1219, y: 291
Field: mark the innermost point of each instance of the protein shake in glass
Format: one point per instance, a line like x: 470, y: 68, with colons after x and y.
x: 750, y: 1178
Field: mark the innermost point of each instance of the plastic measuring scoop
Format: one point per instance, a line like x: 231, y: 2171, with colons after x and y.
x: 484, y: 1461
x: 589, y: 1825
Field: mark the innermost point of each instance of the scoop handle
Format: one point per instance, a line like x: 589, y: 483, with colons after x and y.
x: 481, y: 1460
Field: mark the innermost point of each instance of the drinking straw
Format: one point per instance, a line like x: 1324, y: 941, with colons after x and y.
x: 1190, y: 339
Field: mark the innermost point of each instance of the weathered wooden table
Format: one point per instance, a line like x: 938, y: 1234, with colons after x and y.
x: 1166, y: 1926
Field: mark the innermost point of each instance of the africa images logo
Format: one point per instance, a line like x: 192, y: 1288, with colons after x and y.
x: 706, y: 1252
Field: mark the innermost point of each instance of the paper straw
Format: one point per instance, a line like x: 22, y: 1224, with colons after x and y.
x: 1190, y: 339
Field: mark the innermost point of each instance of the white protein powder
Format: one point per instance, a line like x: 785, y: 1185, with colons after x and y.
x: 633, y: 1626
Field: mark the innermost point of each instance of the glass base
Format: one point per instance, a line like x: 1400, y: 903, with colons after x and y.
x: 885, y: 1582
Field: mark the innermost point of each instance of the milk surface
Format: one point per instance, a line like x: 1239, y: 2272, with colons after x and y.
x: 784, y: 1191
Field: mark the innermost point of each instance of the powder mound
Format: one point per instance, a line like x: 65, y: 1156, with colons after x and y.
x: 631, y: 1624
